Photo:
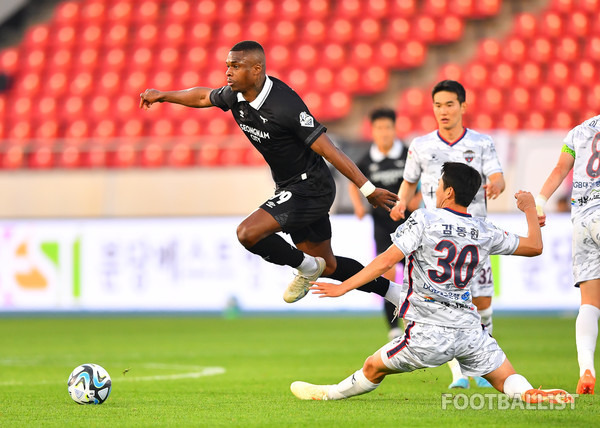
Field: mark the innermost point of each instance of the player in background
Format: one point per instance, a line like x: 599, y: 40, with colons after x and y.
x: 452, y: 142
x: 383, y: 165
x: 446, y: 248
x: 581, y: 153
x: 279, y: 125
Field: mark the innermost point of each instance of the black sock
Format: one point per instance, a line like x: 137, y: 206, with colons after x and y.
x: 348, y: 267
x: 275, y: 249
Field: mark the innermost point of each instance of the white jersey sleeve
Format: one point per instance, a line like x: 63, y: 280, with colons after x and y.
x: 584, y: 142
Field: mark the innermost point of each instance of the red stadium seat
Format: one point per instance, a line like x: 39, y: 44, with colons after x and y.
x: 316, y: 9
x: 562, y: 119
x: 199, y: 35
x: 37, y: 37
x: 257, y: 30
x: 551, y: 24
x: 449, y: 29
x: 64, y: 36
x: 116, y: 34
x: 535, y: 121
x: 178, y: 11
x: 205, y: 11
x: 109, y: 82
x: 230, y: 33
x: 509, y: 121
x: 313, y: 31
x: 514, y: 50
x: 231, y: 10
x: 191, y: 126
x: 180, y: 155
x: 306, y: 56
x: 404, y: 125
x: 562, y: 6
x: 291, y: 9
x: 29, y: 84
x: 483, y: 121
x: 377, y: 9
x: 314, y: 102
x: 132, y: 128
x: 9, y: 60
x: 348, y: 8
x: 90, y: 37
x: 262, y: 10
x: 503, y: 75
x: 412, y: 54
x: 105, y: 128
x: 47, y: 130
x: 95, y: 157
x: 529, y: 75
x: 403, y: 8
x: 424, y: 29
x: 338, y: 103
x: 578, y: 24
x: 584, y: 72
x: 362, y: 53
x: 81, y: 83
x: 558, y: 74
x: 525, y: 26
x: 540, y: 49
x: 322, y: 79
x: 125, y: 156
x: 491, y: 100
x: 592, y: 48
x: 388, y: 54
x: 208, y: 155
x: 519, y: 99
x: 67, y: 12
x: 35, y: 60
x: 591, y: 6
x: 462, y: 8
x: 369, y: 30
x: 436, y: 8
x: 77, y: 129
x: 152, y: 155
x: 568, y: 49
x: 146, y: 11
x: 374, y: 79
x: 87, y: 58
x: 70, y: 157
x: 476, y: 74
x: 233, y: 155
x: 545, y: 98
x: 280, y: 57
x: 349, y: 78
x: 572, y: 98
x: 41, y: 157
x: 162, y: 128
x: 14, y: 157
x: 121, y: 11
x: 415, y: 101
x: 450, y: 71
x: 147, y: 35
x: 398, y: 30
x: 93, y: 11
x: 341, y: 30
x: 486, y: 8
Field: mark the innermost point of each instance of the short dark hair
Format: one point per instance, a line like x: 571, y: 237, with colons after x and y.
x: 247, y: 46
x: 383, y: 112
x: 450, y: 86
x: 464, y: 179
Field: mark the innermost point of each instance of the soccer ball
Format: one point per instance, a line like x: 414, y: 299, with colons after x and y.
x: 89, y: 384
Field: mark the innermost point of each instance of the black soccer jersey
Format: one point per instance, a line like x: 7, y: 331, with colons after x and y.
x: 280, y: 126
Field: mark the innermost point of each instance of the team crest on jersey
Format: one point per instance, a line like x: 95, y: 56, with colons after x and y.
x: 306, y: 120
x: 469, y: 155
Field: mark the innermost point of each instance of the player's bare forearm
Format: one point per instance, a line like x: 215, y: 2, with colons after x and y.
x: 194, y: 97
x: 496, y: 185
x: 381, y: 264
x: 532, y: 244
x: 324, y: 147
x: 558, y: 174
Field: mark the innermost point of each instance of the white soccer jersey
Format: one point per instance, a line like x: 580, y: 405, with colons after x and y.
x: 427, y: 154
x: 584, y: 141
x: 444, y: 251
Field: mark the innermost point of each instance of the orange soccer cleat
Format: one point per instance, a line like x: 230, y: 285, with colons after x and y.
x: 552, y: 396
x: 586, y: 383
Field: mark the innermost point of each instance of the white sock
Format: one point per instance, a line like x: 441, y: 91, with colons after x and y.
x: 395, y: 295
x: 455, y: 369
x: 308, y: 266
x: 586, y: 334
x: 515, y: 385
x: 486, y: 319
x: 355, y: 384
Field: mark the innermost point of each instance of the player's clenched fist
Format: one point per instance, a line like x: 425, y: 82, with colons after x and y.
x: 149, y: 97
x: 525, y: 200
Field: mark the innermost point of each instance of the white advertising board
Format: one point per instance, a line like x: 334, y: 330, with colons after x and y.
x: 197, y: 264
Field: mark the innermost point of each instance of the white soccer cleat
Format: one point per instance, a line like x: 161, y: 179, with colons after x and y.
x: 301, y: 283
x: 308, y: 391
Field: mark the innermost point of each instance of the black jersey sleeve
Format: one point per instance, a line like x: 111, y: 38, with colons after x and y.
x: 300, y: 121
x: 224, y: 98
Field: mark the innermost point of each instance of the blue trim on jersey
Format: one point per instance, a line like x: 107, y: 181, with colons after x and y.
x: 402, y: 344
x: 452, y: 143
x: 457, y: 213
x: 406, y: 303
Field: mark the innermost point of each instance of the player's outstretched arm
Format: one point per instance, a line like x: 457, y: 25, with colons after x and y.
x: 532, y: 244
x: 377, y: 197
x: 557, y: 175
x: 495, y: 186
x: 405, y: 195
x: 381, y: 264
x: 194, y: 97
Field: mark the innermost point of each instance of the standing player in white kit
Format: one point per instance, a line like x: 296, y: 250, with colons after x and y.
x: 581, y: 153
x: 452, y: 142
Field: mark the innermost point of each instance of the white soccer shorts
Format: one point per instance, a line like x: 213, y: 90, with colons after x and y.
x: 586, y: 246
x: 426, y: 345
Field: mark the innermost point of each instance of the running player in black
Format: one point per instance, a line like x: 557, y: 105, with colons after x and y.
x: 383, y: 165
x: 294, y: 144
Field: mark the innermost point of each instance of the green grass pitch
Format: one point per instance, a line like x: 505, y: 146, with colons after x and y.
x: 181, y: 371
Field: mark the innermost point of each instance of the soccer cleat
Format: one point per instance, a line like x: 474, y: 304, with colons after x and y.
x: 586, y: 383
x: 551, y: 396
x: 301, y: 283
x: 482, y: 382
x: 462, y: 383
x: 308, y: 391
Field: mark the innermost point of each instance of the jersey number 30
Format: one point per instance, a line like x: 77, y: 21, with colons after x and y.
x: 453, y: 266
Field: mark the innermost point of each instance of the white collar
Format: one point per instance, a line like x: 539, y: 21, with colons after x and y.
x: 394, y: 152
x: 260, y: 99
